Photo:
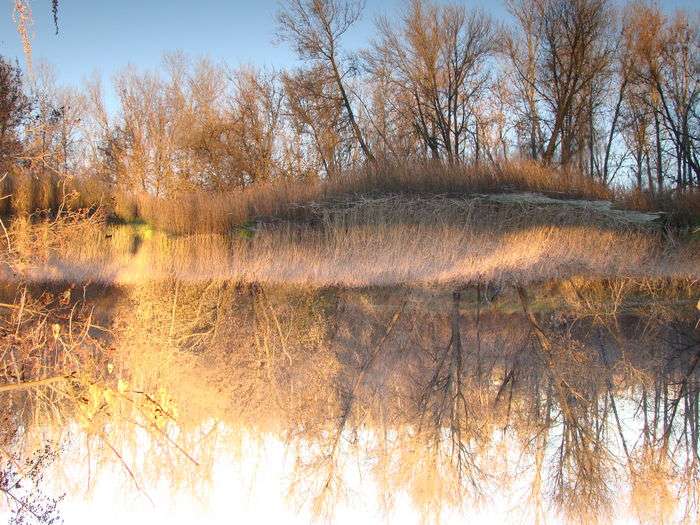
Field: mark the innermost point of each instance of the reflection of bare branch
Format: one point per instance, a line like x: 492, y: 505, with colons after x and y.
x: 126, y: 467
x: 579, y: 479
x: 349, y: 399
x: 32, y: 384
x: 329, y: 457
x: 444, y: 401
x: 674, y: 405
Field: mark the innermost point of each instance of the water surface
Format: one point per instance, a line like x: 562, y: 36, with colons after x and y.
x: 182, y: 390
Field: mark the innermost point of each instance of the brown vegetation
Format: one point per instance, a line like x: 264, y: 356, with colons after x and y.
x: 442, y: 101
x: 397, y: 257
x: 301, y: 200
x: 304, y: 201
x: 572, y: 377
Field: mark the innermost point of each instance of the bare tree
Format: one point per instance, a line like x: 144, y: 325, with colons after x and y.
x: 667, y: 61
x: 314, y: 113
x: 14, y: 110
x: 256, y: 112
x: 574, y: 48
x: 53, y: 138
x: 522, y: 48
x: 676, y: 81
x: 435, y: 62
x: 315, y: 28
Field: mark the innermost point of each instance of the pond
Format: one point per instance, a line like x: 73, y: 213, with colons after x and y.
x: 150, y: 374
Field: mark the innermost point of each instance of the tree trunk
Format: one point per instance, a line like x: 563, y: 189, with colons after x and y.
x: 351, y: 115
x: 659, y: 165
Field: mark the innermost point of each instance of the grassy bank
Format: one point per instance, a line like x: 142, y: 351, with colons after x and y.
x: 381, y: 242
x: 305, y: 200
x: 382, y: 226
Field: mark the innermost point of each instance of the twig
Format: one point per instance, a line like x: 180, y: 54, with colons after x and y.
x: 32, y: 384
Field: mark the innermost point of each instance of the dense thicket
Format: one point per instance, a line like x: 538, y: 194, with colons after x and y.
x: 611, y: 92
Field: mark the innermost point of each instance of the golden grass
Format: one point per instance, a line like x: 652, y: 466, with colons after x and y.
x: 301, y: 200
x: 306, y: 200
x: 684, y: 207
x: 285, y: 198
x: 446, y: 241
x: 25, y: 193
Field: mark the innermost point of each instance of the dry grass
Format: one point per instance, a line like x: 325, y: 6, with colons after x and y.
x: 381, y: 227
x: 446, y: 241
x: 31, y: 239
x: 300, y: 200
x: 684, y: 207
x: 305, y: 200
x: 26, y: 193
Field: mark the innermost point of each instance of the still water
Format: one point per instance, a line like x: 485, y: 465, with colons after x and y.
x: 170, y: 391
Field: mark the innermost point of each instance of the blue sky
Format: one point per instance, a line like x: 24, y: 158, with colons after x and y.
x: 104, y: 35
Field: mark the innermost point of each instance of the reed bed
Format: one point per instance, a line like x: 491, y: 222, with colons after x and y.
x: 304, y: 201
x: 445, y: 241
x: 287, y: 199
x: 300, y: 200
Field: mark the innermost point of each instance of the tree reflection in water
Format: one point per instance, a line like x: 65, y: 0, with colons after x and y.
x: 584, y: 390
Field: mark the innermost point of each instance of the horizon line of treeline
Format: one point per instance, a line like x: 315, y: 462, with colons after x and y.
x: 591, y: 87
